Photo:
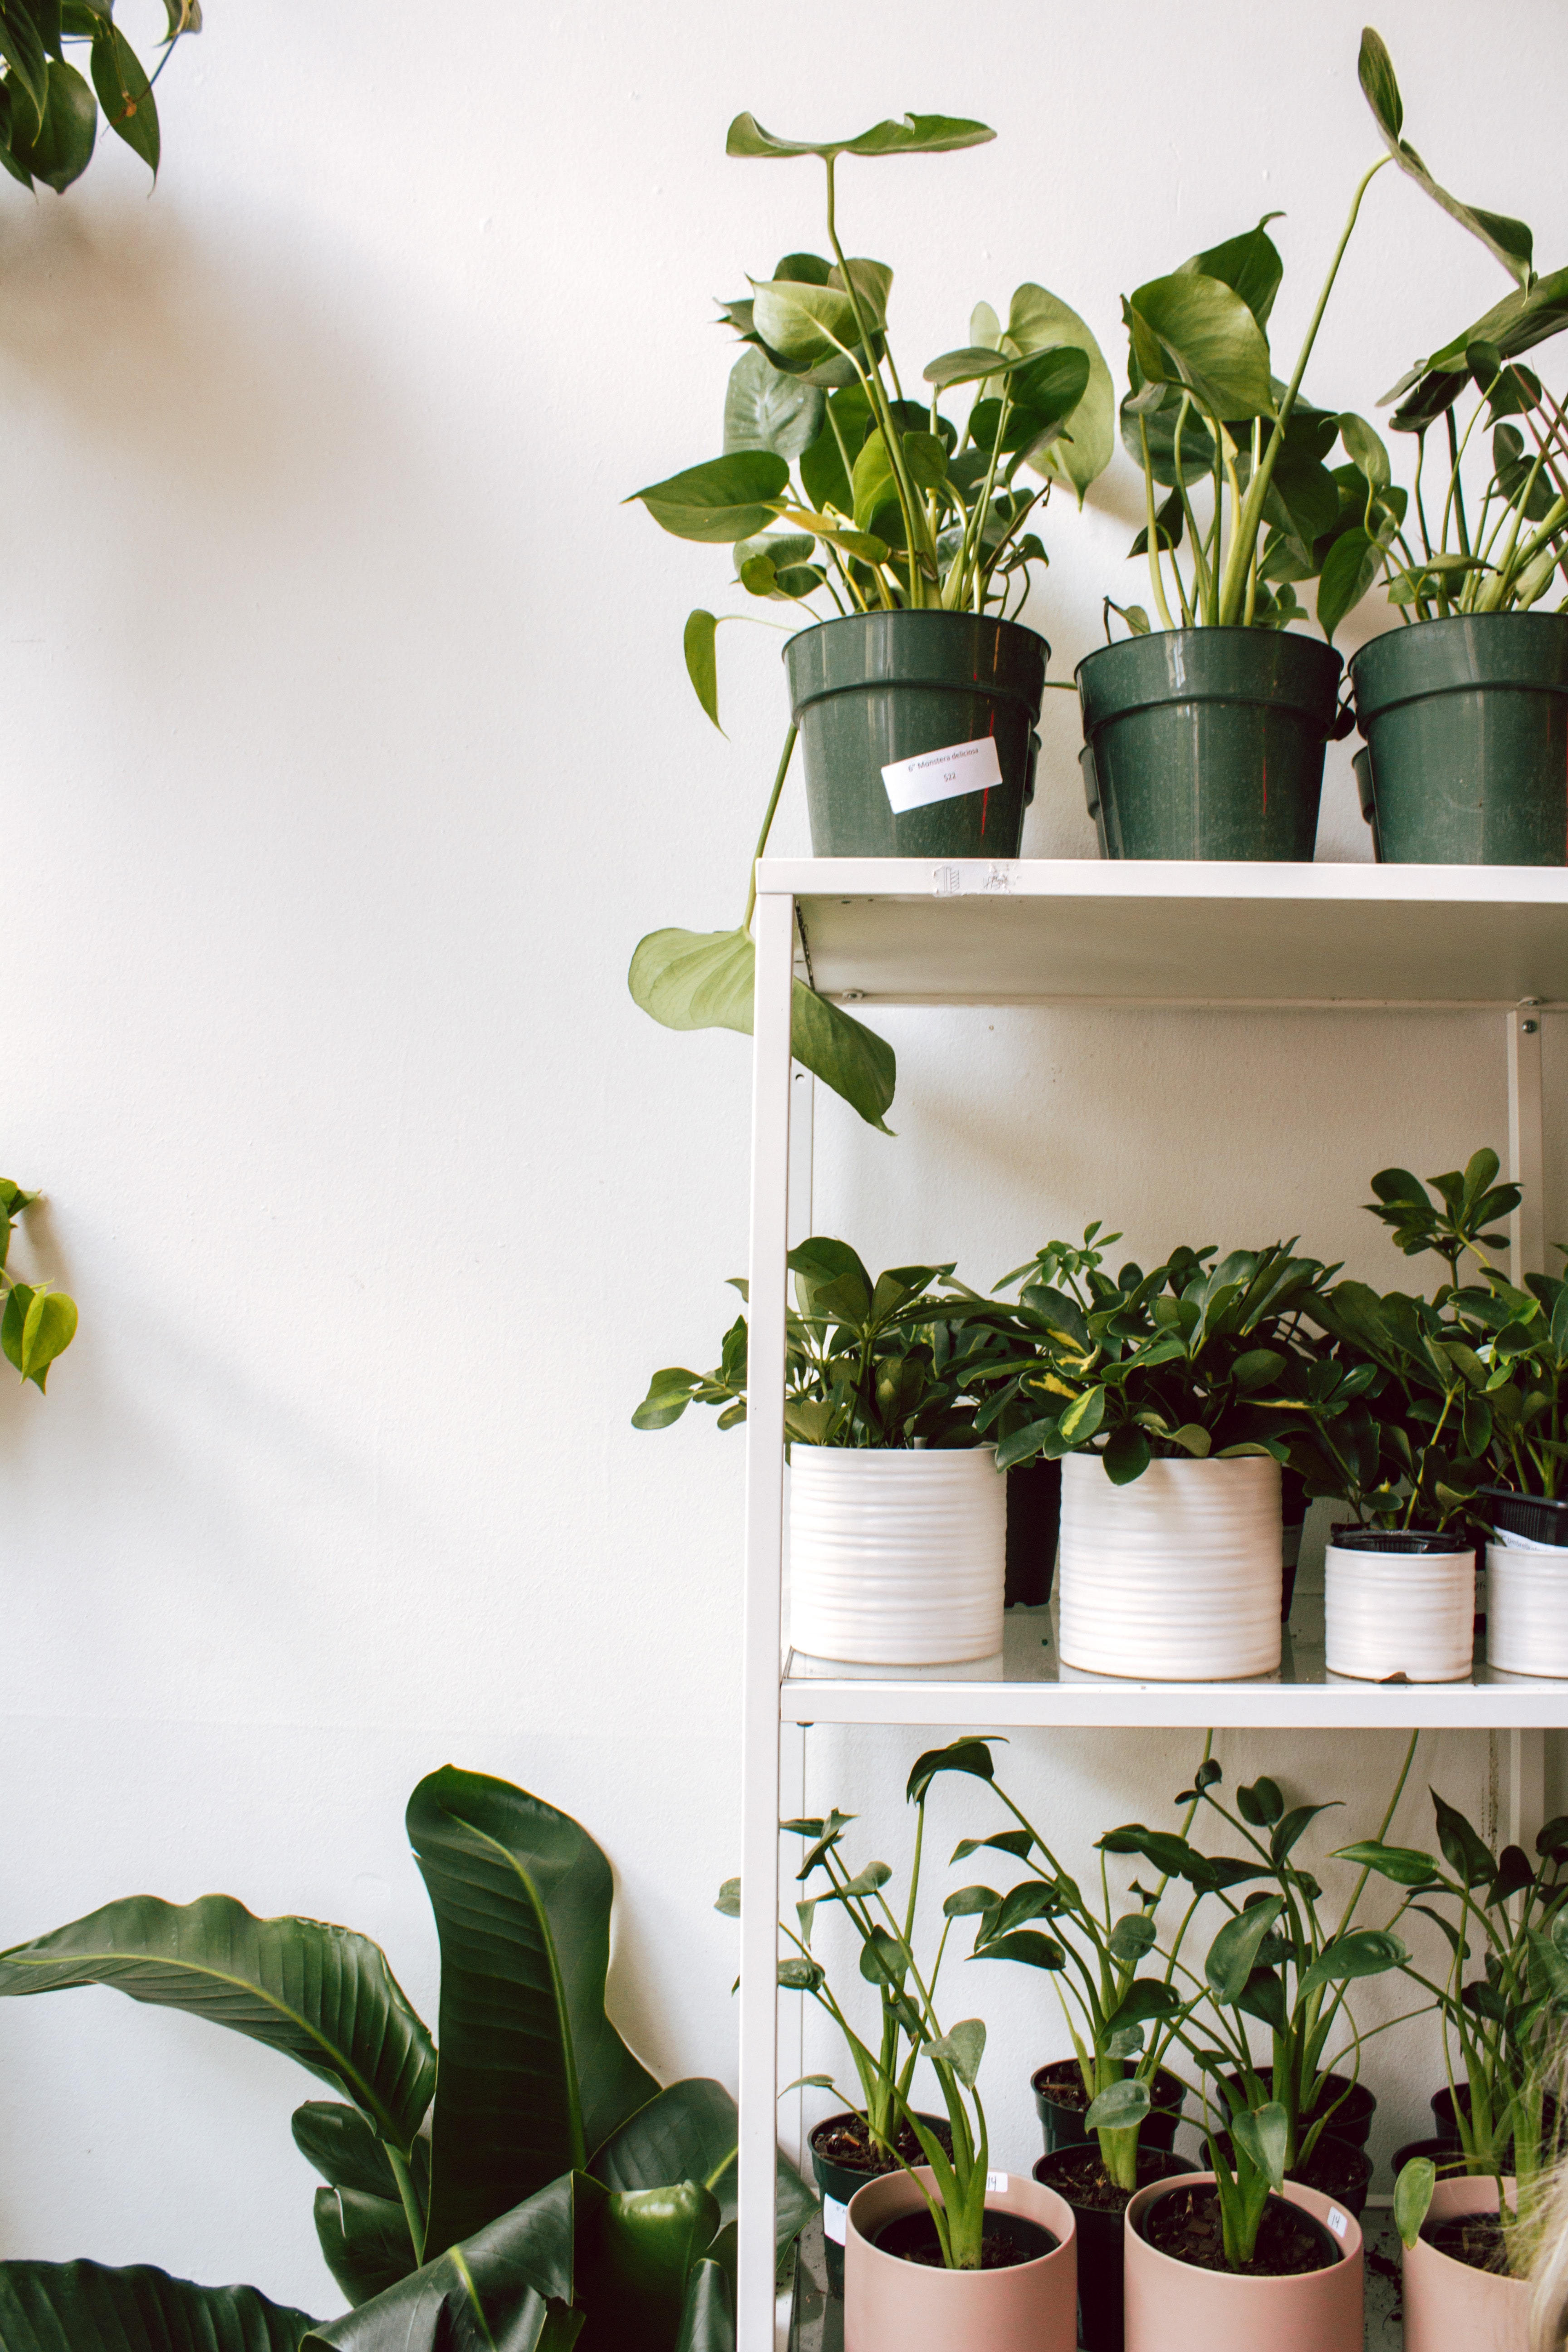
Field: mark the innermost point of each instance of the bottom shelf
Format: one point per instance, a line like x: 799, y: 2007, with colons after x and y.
x: 817, y: 2322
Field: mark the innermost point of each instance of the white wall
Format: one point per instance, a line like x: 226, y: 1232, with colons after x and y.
x: 348, y: 753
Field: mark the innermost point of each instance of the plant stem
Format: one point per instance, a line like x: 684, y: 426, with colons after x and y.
x: 1153, y: 529
x: 1249, y: 516
x: 768, y: 823
x: 405, y: 2190
x: 913, y: 512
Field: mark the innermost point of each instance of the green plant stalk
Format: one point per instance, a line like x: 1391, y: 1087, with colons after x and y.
x: 1203, y: 579
x: 1153, y: 531
x: 409, y: 2198
x: 1249, y: 516
x: 768, y: 823
x: 913, y: 513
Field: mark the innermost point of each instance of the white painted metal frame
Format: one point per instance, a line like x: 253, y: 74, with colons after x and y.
x: 1519, y: 966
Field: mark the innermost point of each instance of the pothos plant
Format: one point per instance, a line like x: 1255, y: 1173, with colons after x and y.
x: 37, y: 1324
x: 840, y: 495
x: 885, y: 1362
x: 537, y: 2190
x: 49, y: 110
x: 1509, y: 551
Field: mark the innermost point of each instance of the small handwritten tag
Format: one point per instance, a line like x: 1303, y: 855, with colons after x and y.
x: 996, y: 2184
x: 943, y: 775
x: 1336, y: 2221
x: 833, y: 2214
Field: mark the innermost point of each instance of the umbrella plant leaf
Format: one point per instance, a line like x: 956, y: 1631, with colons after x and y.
x: 321, y: 1995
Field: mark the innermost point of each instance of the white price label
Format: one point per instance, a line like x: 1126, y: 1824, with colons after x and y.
x: 1336, y: 2221
x: 833, y: 2214
x: 998, y: 2184
x: 943, y: 775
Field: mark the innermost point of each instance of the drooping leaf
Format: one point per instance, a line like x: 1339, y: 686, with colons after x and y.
x: 970, y: 1755
x: 765, y: 409
x: 1467, y: 1855
x: 1405, y: 1865
x: 1233, y: 1955
x: 1509, y: 241
x: 1029, y: 1947
x: 87, y: 2307
x: 729, y: 498
x: 321, y: 1995
x: 533, y: 2075
x: 1197, y: 331
x: 60, y: 149
x: 22, y: 47
x: 345, y: 2151
x: 703, y: 979
x: 125, y: 94
x: 1041, y: 322
x: 1412, y: 2197
x: 915, y: 134
x: 700, y: 645
x: 36, y: 1326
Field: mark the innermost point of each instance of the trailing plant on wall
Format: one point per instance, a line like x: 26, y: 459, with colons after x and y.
x: 538, y: 2188
x: 49, y: 110
x: 37, y: 1324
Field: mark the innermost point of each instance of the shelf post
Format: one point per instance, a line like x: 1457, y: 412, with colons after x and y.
x: 775, y: 936
x: 1526, y: 1155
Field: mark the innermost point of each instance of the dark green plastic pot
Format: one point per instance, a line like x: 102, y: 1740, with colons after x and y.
x: 1467, y: 741
x: 1033, y: 1531
x: 878, y: 688
x: 1207, y: 743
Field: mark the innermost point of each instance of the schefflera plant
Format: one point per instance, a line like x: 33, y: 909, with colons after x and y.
x: 840, y: 495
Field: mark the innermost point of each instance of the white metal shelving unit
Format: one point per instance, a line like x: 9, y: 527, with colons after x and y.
x: 1083, y: 933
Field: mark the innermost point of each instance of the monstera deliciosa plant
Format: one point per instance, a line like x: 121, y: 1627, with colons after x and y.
x: 49, y: 110
x: 531, y: 2188
x: 840, y: 495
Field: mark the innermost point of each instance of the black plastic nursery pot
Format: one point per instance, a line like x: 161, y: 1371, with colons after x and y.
x: 1446, y: 2154
x: 1353, y: 2105
x: 1061, y: 2104
x: 1034, y: 1531
x: 1466, y: 723
x: 1101, y: 2230
x: 1531, y: 1515
x: 1351, y: 1536
x: 839, y: 2182
x: 1292, y: 1523
x: 1207, y: 743
x: 876, y: 689
x: 1447, y: 2125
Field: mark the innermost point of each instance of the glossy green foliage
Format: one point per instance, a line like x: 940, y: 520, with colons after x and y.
x: 552, y: 2193
x: 49, y: 110
x: 86, y: 2307
x: 36, y: 1324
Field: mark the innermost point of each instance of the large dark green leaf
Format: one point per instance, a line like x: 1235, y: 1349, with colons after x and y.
x: 364, y: 2242
x: 916, y: 135
x: 22, y: 47
x: 346, y: 2152
x: 708, y: 2324
x: 689, y: 2133
x: 62, y: 149
x: 85, y: 2307
x: 729, y: 498
x: 1515, y: 325
x: 508, y: 2288
x: 320, y: 1994
x: 1233, y: 1955
x: 532, y: 2073
x: 703, y: 979
x: 632, y: 2281
x: 1509, y: 240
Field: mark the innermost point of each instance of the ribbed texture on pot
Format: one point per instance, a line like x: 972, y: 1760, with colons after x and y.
x: 897, y: 1557
x: 1411, y: 1613
x: 1527, y: 1612
x: 1175, y: 1578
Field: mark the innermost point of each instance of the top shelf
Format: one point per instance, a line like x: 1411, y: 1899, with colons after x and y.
x: 1083, y: 931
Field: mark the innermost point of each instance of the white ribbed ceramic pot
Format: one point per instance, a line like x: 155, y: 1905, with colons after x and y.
x: 897, y: 1557
x: 1410, y: 1613
x: 1176, y: 1577
x: 1527, y: 1612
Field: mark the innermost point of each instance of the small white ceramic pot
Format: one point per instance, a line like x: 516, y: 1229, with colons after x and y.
x: 892, y: 2306
x: 1410, y: 1612
x: 1173, y: 2306
x: 897, y: 1557
x: 1527, y: 1610
x: 1449, y: 2306
x: 1175, y: 1578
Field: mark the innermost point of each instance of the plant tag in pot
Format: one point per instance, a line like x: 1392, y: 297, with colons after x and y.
x: 833, y: 2214
x: 1336, y: 2221
x: 941, y: 775
x: 996, y: 2184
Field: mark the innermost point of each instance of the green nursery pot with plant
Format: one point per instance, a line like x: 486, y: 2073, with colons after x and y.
x: 1205, y: 729
x: 536, y: 2189
x: 1465, y: 710
x: 898, y: 1521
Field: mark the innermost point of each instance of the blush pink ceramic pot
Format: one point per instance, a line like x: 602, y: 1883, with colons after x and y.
x: 1174, y: 2307
x: 1449, y: 2306
x: 892, y: 2306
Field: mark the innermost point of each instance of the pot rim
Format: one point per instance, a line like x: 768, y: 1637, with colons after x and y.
x: 1024, y: 2184
x: 904, y: 613
x: 1366, y: 659
x: 1256, y: 1465
x: 1399, y: 1543
x: 1295, y: 2192
x: 1305, y: 649
x: 1037, y: 2084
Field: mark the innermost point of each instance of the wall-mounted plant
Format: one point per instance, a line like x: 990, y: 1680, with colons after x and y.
x: 37, y: 1324
x: 49, y: 110
x: 843, y: 500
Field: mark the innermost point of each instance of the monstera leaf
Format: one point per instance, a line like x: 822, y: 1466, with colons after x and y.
x: 83, y: 2307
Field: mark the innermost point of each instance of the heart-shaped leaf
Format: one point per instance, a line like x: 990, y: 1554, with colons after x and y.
x: 963, y: 2050
x: 729, y: 498
x: 1197, y: 331
x: 1234, y: 1952
x: 765, y: 409
x: 1119, y: 2107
